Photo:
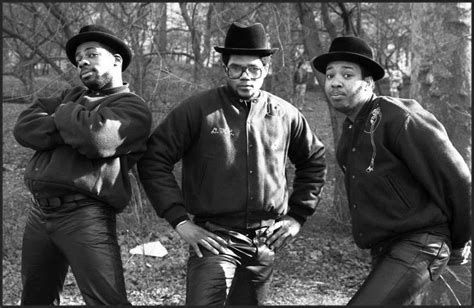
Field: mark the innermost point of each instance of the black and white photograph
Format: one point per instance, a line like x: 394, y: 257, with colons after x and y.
x: 237, y: 154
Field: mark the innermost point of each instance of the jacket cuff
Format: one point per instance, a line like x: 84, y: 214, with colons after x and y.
x: 300, y: 219
x: 176, y: 214
x: 458, y: 245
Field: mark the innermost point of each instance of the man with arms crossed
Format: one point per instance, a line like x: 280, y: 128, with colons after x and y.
x: 86, y: 141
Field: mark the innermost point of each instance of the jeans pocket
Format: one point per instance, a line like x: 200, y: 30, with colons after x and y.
x: 438, y: 263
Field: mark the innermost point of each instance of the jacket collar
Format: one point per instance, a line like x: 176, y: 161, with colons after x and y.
x: 365, y: 110
x: 237, y: 99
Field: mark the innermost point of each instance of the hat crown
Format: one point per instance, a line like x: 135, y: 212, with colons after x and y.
x: 95, y: 28
x: 351, y: 44
x: 351, y: 49
x: 102, y: 35
x: 248, y: 37
x: 246, y: 40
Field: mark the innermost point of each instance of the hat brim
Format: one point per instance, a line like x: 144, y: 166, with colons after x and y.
x: 321, y: 62
x: 113, y: 42
x: 246, y: 51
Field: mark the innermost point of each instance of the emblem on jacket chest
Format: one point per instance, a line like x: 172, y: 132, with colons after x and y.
x: 222, y: 131
x: 373, y: 121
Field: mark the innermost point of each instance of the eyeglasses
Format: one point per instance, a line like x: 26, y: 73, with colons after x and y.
x: 235, y: 71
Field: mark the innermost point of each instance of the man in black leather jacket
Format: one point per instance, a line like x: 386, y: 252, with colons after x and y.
x: 409, y: 190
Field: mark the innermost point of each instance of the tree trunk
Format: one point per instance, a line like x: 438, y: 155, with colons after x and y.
x: 196, y: 37
x: 207, y: 35
x: 162, y: 35
x: 313, y: 46
x: 441, y: 82
x: 279, y: 30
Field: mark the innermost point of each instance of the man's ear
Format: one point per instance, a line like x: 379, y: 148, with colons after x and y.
x: 118, y: 59
x: 370, y: 82
x: 265, y: 70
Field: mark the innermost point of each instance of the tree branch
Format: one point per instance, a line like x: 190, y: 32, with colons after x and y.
x: 34, y: 49
x: 330, y: 27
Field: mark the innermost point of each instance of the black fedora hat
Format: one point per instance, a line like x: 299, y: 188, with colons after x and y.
x: 102, y: 35
x: 351, y: 49
x: 246, y: 40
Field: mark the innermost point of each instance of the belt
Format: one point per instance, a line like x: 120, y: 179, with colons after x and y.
x: 240, y: 221
x: 256, y: 235
x: 256, y: 231
x: 57, y: 201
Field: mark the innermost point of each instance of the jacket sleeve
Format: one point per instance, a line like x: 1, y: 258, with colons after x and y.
x: 307, y: 153
x: 35, y: 127
x: 166, y: 146
x: 118, y: 127
x: 425, y: 147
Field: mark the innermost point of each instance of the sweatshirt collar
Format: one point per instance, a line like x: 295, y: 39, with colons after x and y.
x: 109, y: 91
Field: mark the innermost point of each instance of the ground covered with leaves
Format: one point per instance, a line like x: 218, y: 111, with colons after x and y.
x: 322, y: 266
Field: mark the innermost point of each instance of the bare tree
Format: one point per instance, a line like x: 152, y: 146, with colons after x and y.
x: 200, y: 28
x: 35, y: 33
x: 313, y: 36
x: 279, y: 28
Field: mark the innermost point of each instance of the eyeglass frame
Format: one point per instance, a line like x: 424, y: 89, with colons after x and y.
x: 246, y: 70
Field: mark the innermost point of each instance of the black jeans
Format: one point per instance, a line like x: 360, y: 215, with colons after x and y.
x: 240, y: 278
x: 403, y: 269
x: 81, y: 234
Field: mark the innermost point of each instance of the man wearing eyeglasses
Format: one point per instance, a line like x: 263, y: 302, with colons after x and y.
x: 233, y: 209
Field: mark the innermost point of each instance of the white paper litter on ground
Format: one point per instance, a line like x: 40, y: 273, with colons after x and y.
x: 154, y: 249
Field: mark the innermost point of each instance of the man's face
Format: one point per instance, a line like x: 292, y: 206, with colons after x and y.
x: 96, y: 65
x: 346, y: 89
x: 245, y: 86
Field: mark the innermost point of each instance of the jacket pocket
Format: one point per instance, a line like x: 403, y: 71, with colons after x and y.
x: 398, y: 190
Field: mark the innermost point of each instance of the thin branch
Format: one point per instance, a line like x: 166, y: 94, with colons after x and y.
x: 35, y: 49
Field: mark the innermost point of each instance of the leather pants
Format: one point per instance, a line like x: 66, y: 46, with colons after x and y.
x: 401, y: 270
x: 80, y: 234
x: 238, y: 278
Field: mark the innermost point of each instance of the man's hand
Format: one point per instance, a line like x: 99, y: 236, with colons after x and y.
x: 282, y: 232
x: 194, y: 235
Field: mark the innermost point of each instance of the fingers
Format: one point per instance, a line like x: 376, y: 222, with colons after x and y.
x: 209, y: 243
x: 218, y: 244
x: 279, y: 238
x: 282, y: 232
x: 277, y: 235
x: 197, y: 236
x: 197, y: 250
x: 216, y: 238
